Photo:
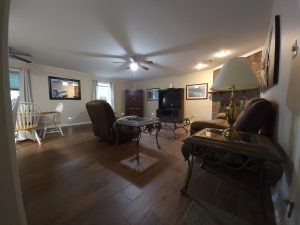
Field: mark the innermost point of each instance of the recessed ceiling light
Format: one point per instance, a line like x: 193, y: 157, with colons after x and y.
x: 222, y: 53
x: 201, y: 66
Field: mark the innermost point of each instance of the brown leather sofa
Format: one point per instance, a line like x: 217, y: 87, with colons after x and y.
x: 103, y: 118
x: 257, y: 117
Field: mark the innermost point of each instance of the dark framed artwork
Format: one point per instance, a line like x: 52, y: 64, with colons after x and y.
x: 271, y: 57
x: 64, y: 88
x: 196, y: 91
x: 152, y: 94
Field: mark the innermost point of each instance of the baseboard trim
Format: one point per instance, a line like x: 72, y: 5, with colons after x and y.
x: 75, y: 124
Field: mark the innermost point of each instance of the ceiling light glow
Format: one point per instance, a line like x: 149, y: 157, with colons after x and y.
x: 133, y: 66
x: 222, y: 53
x: 201, y: 66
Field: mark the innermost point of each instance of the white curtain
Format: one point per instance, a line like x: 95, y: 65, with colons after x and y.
x: 94, y: 89
x: 25, y: 96
x: 107, y: 95
x: 25, y: 86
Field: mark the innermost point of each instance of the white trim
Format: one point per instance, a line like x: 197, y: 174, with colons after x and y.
x: 15, y: 69
x: 75, y: 124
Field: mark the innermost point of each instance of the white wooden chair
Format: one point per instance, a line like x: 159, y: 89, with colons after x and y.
x: 51, y: 121
x: 27, y: 119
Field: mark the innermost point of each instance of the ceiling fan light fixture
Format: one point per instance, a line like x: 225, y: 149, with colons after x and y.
x: 133, y: 66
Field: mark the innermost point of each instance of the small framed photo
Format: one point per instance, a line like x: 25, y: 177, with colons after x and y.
x: 152, y: 94
x: 196, y: 91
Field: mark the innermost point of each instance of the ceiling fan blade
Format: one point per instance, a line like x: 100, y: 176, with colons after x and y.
x: 20, y: 58
x: 144, y: 67
x: 146, y: 62
x: 13, y: 51
x: 119, y: 62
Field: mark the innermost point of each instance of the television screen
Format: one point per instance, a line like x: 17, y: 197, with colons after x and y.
x: 169, y: 99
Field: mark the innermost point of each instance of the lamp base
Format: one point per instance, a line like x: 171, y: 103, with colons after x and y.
x: 231, y: 115
x: 230, y: 133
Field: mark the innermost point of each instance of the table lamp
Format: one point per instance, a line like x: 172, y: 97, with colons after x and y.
x: 236, y: 74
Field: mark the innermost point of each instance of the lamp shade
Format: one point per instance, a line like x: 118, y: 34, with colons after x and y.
x: 235, y: 73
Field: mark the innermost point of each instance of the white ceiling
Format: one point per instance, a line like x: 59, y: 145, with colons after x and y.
x: 89, y: 35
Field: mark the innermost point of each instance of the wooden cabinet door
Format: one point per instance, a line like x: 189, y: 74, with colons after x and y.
x: 134, y: 102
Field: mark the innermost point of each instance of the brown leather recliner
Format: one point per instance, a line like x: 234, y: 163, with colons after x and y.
x: 103, y: 118
x: 258, y: 116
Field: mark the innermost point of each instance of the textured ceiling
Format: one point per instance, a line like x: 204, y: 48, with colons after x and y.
x: 90, y: 35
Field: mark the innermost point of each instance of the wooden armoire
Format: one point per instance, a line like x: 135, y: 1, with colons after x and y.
x: 134, y: 102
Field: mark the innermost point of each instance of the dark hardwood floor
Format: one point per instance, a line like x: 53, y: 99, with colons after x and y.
x: 77, y: 180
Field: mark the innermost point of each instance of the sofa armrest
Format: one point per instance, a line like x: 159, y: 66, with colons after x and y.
x: 200, y: 125
x: 221, y: 115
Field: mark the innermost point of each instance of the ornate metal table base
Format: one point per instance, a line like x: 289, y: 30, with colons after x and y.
x: 173, y: 126
x: 145, y: 125
x: 246, y: 151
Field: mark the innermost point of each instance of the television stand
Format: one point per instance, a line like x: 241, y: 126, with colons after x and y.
x: 172, y: 125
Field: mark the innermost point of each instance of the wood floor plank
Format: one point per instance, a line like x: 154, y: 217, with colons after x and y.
x: 78, y: 180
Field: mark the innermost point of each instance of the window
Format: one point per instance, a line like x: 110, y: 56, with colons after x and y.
x: 14, y: 82
x: 104, y: 92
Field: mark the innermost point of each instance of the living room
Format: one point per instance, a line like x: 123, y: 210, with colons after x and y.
x: 283, y: 94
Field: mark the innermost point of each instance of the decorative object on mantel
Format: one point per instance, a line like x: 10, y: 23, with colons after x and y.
x: 235, y: 74
x: 270, y: 60
x: 196, y: 91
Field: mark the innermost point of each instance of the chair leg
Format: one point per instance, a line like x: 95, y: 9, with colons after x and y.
x: 45, y: 130
x: 37, y: 137
x: 62, y: 134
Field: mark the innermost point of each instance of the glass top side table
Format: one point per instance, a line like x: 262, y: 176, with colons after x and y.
x: 244, y: 148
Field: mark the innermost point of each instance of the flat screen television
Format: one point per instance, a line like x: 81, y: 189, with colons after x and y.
x: 169, y: 99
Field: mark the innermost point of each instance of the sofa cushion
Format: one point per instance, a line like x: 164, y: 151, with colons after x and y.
x: 199, y: 125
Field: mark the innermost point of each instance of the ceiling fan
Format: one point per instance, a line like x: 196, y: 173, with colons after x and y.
x: 137, y: 61
x: 13, y: 53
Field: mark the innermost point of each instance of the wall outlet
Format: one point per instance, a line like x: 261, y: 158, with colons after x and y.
x: 290, y: 206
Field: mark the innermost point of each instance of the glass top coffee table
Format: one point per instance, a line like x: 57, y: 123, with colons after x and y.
x: 142, y: 124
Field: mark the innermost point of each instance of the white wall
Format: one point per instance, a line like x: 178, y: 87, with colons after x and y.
x: 197, y: 109
x: 72, y: 108
x: 286, y: 94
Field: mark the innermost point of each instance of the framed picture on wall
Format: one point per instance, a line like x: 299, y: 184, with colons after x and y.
x: 64, y: 88
x: 270, y: 57
x: 152, y: 94
x: 196, y: 91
